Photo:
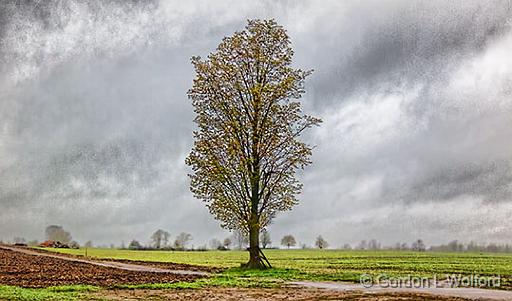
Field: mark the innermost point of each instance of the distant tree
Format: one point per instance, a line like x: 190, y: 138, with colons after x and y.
x: 347, y: 247
x: 288, y: 241
x: 200, y: 248
x: 57, y: 233
x: 421, y: 245
x: 492, y: 247
x: 88, y: 244
x: 321, y: 243
x: 414, y: 246
x: 362, y: 245
x: 74, y: 245
x: 455, y: 246
x: 134, y: 245
x: 160, y: 238
x: 227, y: 242
x: 473, y: 247
x: 404, y: 246
x: 373, y: 244
x: 247, y: 148
x: 182, y: 240
x: 240, y: 239
x: 265, y: 239
x: 418, y: 245
x: 215, y: 244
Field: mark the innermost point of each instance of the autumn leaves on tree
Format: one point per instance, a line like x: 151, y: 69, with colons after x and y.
x: 247, y: 148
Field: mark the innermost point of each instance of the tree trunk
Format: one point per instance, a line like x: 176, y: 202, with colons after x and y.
x: 257, y: 259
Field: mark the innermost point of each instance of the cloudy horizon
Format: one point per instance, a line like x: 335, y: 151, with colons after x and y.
x: 415, y: 97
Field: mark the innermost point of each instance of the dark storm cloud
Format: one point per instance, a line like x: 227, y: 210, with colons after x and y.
x: 493, y: 180
x: 95, y: 124
x: 408, y: 43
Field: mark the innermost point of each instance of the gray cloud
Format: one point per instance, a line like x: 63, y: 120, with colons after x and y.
x: 95, y: 124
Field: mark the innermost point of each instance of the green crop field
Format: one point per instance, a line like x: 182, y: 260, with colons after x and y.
x: 330, y: 264
x: 289, y: 265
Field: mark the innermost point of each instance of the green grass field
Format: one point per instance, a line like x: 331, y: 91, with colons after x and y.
x: 330, y: 264
x: 61, y: 293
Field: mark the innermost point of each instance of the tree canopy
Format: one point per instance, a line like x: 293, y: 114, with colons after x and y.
x: 321, y: 243
x: 288, y: 241
x: 265, y: 239
x: 57, y: 233
x: 160, y: 238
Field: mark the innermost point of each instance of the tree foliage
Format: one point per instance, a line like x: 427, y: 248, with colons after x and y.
x: 215, y: 244
x: 134, y: 245
x: 288, y: 241
x: 247, y: 148
x: 160, y: 238
x: 321, y: 243
x: 182, y: 240
x: 265, y: 239
x: 57, y: 233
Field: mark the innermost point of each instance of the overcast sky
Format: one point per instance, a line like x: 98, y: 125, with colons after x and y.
x: 416, y: 99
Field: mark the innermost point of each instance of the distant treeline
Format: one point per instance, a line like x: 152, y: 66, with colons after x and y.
x: 419, y: 245
x: 456, y: 246
x: 374, y: 245
x: 161, y: 240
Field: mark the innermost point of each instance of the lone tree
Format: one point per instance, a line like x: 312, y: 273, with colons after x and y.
x: 288, y: 241
x: 215, y: 244
x: 265, y: 239
x: 182, y: 240
x: 57, y: 233
x: 418, y: 245
x: 160, y: 238
x: 134, y: 245
x: 321, y: 243
x: 247, y: 149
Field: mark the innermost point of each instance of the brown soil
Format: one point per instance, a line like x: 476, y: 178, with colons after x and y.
x: 41, y: 271
x: 161, y: 265
x: 166, y: 265
x: 263, y: 294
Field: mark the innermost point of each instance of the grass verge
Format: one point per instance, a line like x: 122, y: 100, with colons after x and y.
x: 71, y: 292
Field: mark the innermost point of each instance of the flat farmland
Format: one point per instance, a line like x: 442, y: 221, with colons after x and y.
x: 42, y: 276
x: 335, y: 265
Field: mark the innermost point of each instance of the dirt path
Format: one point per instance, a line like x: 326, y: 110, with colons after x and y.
x: 263, y: 294
x: 466, y: 293
x: 109, y: 264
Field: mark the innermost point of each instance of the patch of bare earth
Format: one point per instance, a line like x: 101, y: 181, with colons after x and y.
x: 263, y: 294
x: 161, y: 265
x: 27, y: 270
